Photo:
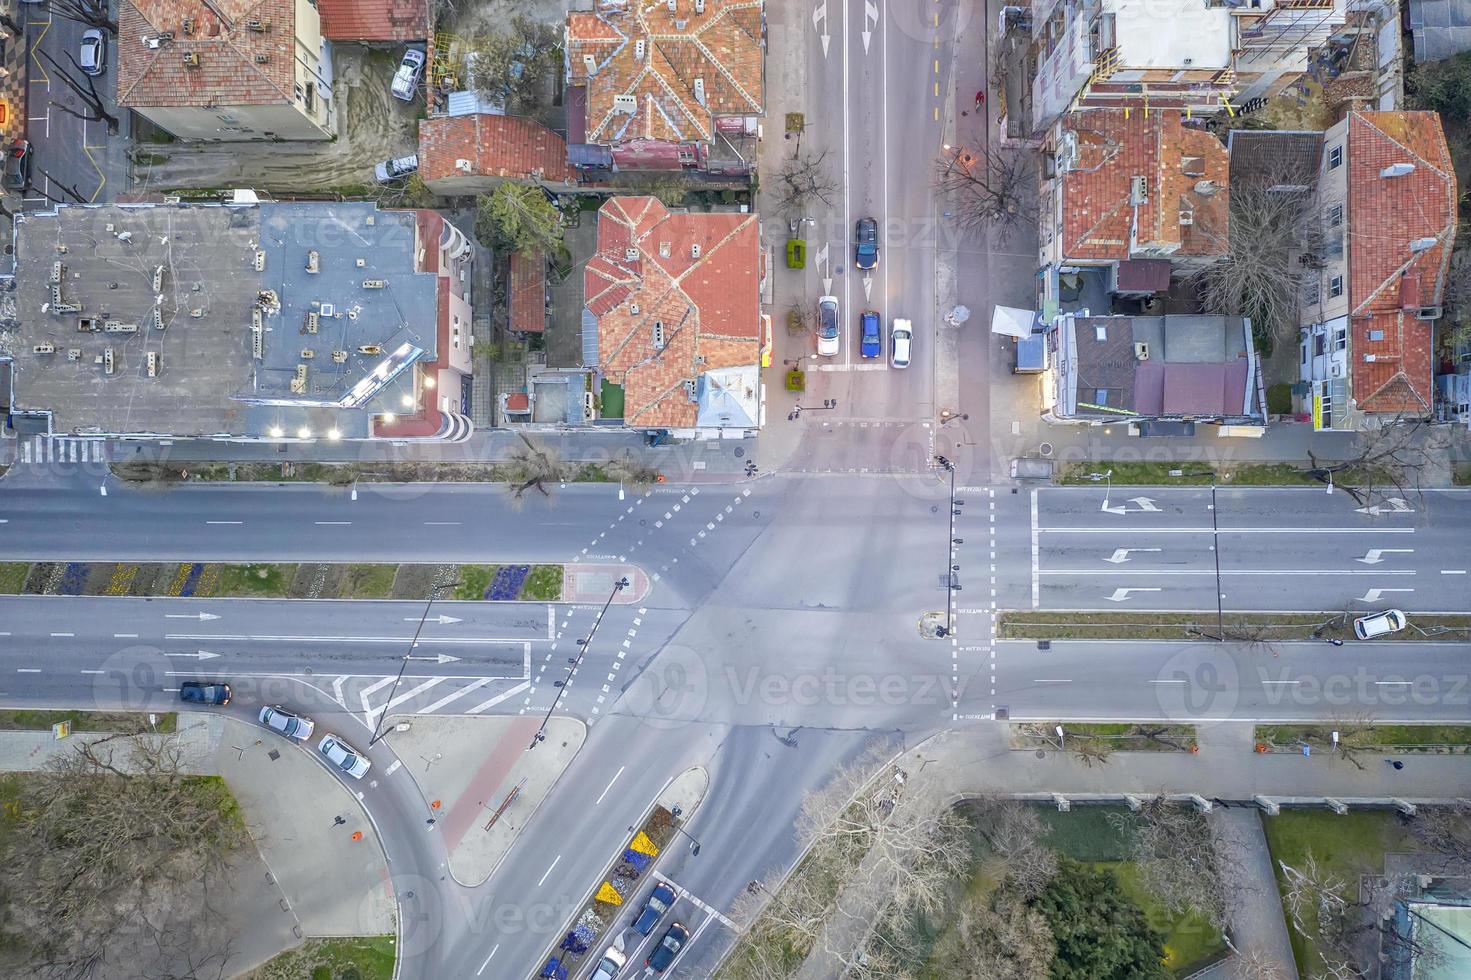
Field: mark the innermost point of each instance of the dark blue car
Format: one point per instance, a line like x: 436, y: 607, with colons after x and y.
x: 664, y: 953
x: 866, y: 245
x: 660, y: 901
x: 871, y: 345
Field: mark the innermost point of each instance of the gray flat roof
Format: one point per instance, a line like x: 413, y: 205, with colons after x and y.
x: 214, y: 266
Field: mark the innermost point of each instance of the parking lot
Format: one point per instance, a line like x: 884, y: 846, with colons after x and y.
x: 696, y: 916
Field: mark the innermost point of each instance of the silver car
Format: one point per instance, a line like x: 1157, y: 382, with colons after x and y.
x: 279, y: 719
x: 406, y: 80
x: 396, y: 169
x: 344, y: 756
x: 93, y: 60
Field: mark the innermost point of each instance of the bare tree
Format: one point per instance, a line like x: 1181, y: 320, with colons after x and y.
x: 993, y: 189
x: 1004, y: 939
x: 801, y: 318
x: 1175, y: 849
x: 532, y: 467
x: 84, y: 87
x: 1257, y: 963
x: 1019, y: 856
x: 1351, y: 933
x: 628, y: 470
x: 1274, y: 243
x: 1388, y: 460
x: 114, y: 839
x: 802, y: 178
x: 93, y: 13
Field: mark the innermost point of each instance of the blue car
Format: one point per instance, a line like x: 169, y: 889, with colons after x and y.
x: 661, y: 899
x: 871, y: 345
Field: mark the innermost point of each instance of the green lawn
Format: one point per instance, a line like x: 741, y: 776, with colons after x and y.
x: 332, y: 959
x: 370, y: 581
x: 254, y: 580
x: 543, y: 584
x: 85, y: 721
x: 1120, y: 737
x: 1158, y: 474
x: 1389, y: 736
x: 13, y: 577
x: 474, y: 580
x: 1085, y: 833
x: 1189, y: 939
x: 1349, y: 846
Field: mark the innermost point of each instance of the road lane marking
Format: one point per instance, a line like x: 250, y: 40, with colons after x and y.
x: 27, y: 670
x: 610, y: 785
x: 1296, y: 572
x: 63, y: 634
x: 125, y: 636
x: 1053, y: 680
x: 459, y: 692
x: 487, y: 960
x: 1453, y: 571
x: 443, y: 524
x: 498, y: 698
x: 549, y: 871
x: 1174, y: 680
x: 349, y: 639
x: 397, y: 763
x: 431, y: 682
x: 1228, y: 530
x: 93, y: 672
x: 224, y: 522
x: 1036, y: 584
x: 333, y: 523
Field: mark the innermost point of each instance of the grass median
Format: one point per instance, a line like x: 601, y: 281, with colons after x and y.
x: 1370, y: 737
x: 1258, y: 628
x: 1168, y: 473
x: 367, y: 958
x: 107, y: 722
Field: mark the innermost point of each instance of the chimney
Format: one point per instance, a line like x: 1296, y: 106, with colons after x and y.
x: 638, y: 50
x: 589, y: 65
x: 1397, y: 170
x: 700, y: 91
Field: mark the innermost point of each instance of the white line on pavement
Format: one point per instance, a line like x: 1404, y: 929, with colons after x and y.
x: 610, y: 785
x: 334, y: 523
x: 348, y: 639
x: 549, y: 871
x: 125, y: 636
x: 1295, y: 572
x: 461, y: 692
x: 1453, y: 571
x: 498, y: 698
x: 1052, y: 680
x: 444, y: 524
x: 395, y: 767
x: 1175, y: 680
x: 1036, y: 585
x: 224, y: 522
x: 27, y: 670
x: 406, y: 695
x: 487, y: 960
x: 92, y: 672
x: 63, y: 634
x: 1227, y: 530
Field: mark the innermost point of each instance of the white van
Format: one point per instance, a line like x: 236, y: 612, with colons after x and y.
x: 900, y: 336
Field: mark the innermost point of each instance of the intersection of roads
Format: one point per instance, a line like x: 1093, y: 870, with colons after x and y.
x: 780, y: 633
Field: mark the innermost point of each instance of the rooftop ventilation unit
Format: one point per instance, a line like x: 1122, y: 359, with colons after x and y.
x: 311, y: 321
x: 658, y: 335
x: 1422, y: 244
x: 307, y: 353
x: 258, y: 25
x: 370, y: 349
x: 153, y: 364
x: 589, y: 65
x: 638, y: 50
x: 313, y: 261
x: 188, y: 26
x: 298, y: 381
x: 339, y: 357
x: 663, y: 250
x: 262, y: 58
x: 47, y: 348
x: 109, y: 362
x: 630, y: 254
x: 1397, y: 170
x: 257, y: 340
x: 626, y: 104
x: 699, y: 6
x: 157, y: 278
x: 328, y: 309
x: 374, y: 283
x: 1138, y: 191
x: 695, y: 250
x: 700, y: 91
x: 260, y: 261
x: 191, y: 59
x: 1141, y: 351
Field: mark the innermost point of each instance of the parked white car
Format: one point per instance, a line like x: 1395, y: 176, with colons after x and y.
x: 827, y: 325
x: 277, y: 718
x: 344, y: 756
x: 1380, y: 624
x: 406, y: 80
x: 901, y: 335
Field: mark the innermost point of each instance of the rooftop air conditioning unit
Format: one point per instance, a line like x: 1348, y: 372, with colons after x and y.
x: 463, y: 165
x: 1141, y: 351
x: 191, y: 59
x: 638, y: 50
x: 700, y: 91
x: 699, y: 6
x: 630, y: 254
x: 188, y: 26
x: 262, y: 58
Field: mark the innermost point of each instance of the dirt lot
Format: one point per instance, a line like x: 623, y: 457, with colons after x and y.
x: 371, y: 126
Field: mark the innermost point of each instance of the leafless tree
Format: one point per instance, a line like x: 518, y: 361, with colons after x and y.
x: 801, y: 318
x: 628, y: 470
x: 992, y: 189
x: 1020, y: 856
x: 1387, y: 460
x: 1350, y: 926
x: 532, y: 467
x: 1274, y: 243
x: 1003, y: 938
x: 1257, y: 963
x: 93, y: 13
x: 84, y: 87
x: 1446, y: 831
x: 801, y: 179
x: 1174, y: 847
x: 12, y: 27
x: 113, y: 839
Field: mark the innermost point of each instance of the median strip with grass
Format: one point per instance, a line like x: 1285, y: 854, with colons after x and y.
x: 1172, y: 473
x: 1257, y: 628
x: 1126, y: 737
x: 104, y: 722
x: 535, y: 583
x: 1354, y: 736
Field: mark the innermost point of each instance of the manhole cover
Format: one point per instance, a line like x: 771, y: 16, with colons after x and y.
x: 1045, y: 449
x: 1041, y: 754
x: 740, y: 451
x: 1044, y: 645
x: 275, y: 754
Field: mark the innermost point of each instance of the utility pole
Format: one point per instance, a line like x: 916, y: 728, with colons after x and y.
x: 950, y: 567
x: 541, y: 733
x: 404, y: 663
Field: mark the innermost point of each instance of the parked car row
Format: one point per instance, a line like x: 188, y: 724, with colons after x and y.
x: 299, y: 728
x: 664, y: 953
x: 870, y: 334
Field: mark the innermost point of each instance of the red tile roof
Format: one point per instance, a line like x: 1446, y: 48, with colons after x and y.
x: 645, y: 271
x: 496, y: 146
x: 374, y: 20
x: 228, y: 73
x: 1388, y: 281
x: 655, y: 56
x: 528, y: 300
x: 1185, y: 171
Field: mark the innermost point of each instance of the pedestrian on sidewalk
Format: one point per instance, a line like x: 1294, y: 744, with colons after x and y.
x: 1335, y: 641
x: 980, y: 99
x: 1398, y: 765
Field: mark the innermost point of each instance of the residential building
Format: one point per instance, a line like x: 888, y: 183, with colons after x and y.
x: 672, y: 297
x: 226, y: 69
x: 1154, y: 369
x: 527, y: 302
x: 1386, y: 194
x: 1139, y: 194
x: 676, y: 85
x: 470, y: 154
x: 1195, y: 55
x: 240, y: 322
x: 374, y: 21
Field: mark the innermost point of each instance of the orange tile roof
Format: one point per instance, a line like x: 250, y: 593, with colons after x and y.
x: 645, y: 272
x: 496, y: 146
x: 528, y: 299
x: 374, y: 20
x: 1112, y: 149
x: 656, y: 55
x: 1388, y: 281
x: 228, y: 73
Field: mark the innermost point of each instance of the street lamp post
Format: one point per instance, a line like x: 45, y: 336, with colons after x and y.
x: 404, y: 663
x: 828, y: 404
x: 950, y: 567
x: 694, y: 844
x: 541, y: 733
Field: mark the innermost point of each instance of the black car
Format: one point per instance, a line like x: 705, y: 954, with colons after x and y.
x: 866, y: 253
x: 18, y: 164
x: 664, y: 953
x: 204, y: 692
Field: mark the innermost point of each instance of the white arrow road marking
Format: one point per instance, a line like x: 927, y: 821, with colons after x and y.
x: 203, y: 617
x: 1397, y: 505
x: 1373, y: 594
x: 819, y: 24
x: 201, y: 655
x: 1120, y: 595
x: 1121, y: 555
x: 443, y: 658
x: 441, y: 620
x: 1145, y: 506
x: 1373, y: 557
x: 870, y: 18
x: 867, y: 287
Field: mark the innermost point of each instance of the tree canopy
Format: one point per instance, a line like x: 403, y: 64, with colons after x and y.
x: 518, y: 218
x: 1100, y: 934
x: 516, y: 66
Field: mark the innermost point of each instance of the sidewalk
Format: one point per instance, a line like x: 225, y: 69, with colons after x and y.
x: 1254, y: 905
x: 978, y: 761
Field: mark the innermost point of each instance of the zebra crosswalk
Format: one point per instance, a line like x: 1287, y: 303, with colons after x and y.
x: 370, y: 696
x: 59, y: 449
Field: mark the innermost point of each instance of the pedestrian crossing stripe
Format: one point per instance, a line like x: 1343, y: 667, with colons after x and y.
x: 51, y: 449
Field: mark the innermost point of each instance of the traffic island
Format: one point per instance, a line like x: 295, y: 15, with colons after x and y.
x: 932, y: 626
x: 623, y: 876
x: 1095, y: 743
x: 480, y: 784
x: 1348, y: 738
x: 1258, y: 629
